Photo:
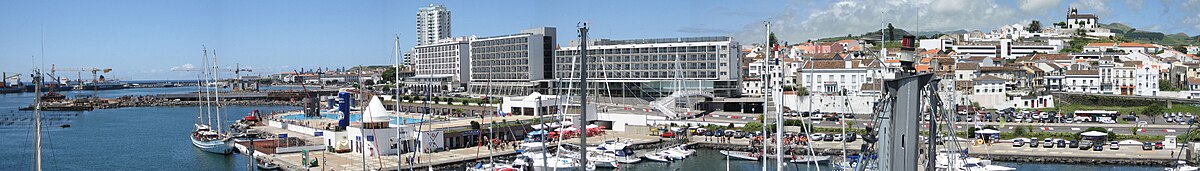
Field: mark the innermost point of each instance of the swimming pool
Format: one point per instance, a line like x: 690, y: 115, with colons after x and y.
x: 353, y: 118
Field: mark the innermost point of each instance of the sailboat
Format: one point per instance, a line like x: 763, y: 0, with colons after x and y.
x: 205, y: 137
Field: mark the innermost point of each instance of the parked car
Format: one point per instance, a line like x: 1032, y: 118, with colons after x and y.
x: 668, y: 134
x: 816, y: 136
x: 1048, y: 143
x: 1018, y: 143
x: 1073, y: 144
x: 837, y: 137
x: 851, y: 137
x: 828, y: 137
x: 1085, y: 145
x: 1113, y: 146
x: 1158, y: 145
x: 1147, y: 146
x: 1098, y: 146
x: 1060, y: 143
x: 1033, y: 142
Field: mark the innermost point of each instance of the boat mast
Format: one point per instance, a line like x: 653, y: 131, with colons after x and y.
x: 37, y: 120
x: 583, y: 110
x: 396, y: 97
x: 217, y: 92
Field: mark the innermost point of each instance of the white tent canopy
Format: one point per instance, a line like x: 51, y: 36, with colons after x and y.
x: 1094, y: 134
x: 987, y: 131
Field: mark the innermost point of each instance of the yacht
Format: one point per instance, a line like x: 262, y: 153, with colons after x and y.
x: 208, y: 140
x: 493, y: 167
x: 958, y: 162
x: 657, y: 157
x: 1182, y: 166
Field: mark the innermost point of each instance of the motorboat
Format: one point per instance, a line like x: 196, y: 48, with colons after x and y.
x: 958, y: 162
x: 753, y: 156
x: 493, y: 167
x: 807, y: 159
x: 681, y: 149
x: 266, y: 165
x: 549, y: 163
x: 530, y: 146
x: 656, y: 157
x: 1182, y: 166
x: 603, y: 161
x: 617, y: 151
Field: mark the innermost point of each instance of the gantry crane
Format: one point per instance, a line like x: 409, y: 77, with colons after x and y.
x: 79, y: 73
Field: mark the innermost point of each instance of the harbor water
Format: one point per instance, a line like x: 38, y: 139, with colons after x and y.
x: 156, y: 138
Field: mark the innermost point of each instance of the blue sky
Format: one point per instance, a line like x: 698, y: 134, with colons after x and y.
x: 143, y: 40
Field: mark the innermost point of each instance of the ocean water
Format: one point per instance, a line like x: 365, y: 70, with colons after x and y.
x: 153, y: 138
x: 156, y: 138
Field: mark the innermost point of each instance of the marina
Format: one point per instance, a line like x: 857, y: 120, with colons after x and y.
x: 759, y: 85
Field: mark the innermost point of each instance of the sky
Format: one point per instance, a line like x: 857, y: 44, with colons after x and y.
x: 146, y: 40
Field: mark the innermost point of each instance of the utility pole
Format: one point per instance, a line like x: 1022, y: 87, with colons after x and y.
x: 583, y: 110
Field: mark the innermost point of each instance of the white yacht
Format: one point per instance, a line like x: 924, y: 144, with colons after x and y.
x: 208, y: 140
x: 1182, y: 166
x: 958, y: 162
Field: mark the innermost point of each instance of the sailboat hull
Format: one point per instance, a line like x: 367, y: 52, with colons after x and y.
x: 212, y: 146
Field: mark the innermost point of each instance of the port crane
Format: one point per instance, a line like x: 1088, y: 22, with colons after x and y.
x: 79, y: 75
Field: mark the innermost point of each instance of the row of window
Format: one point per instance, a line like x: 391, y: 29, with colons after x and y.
x: 644, y: 50
x: 644, y: 74
x: 520, y: 41
x: 644, y: 58
x: 639, y: 66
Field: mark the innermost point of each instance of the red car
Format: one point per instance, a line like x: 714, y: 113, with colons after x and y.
x: 668, y: 134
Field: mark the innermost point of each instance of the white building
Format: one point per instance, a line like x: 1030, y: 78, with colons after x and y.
x: 931, y: 44
x: 433, y: 23
x: 1006, y: 48
x: 1081, y: 21
x: 835, y: 76
x: 509, y: 64
x: 1129, y: 47
x: 654, y: 67
x: 1146, y: 77
x: 1082, y: 81
x: 989, y: 91
x: 446, y: 63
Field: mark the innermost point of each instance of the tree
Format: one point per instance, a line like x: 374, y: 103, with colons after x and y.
x: 774, y: 41
x: 1061, y: 24
x: 1153, y: 110
x: 389, y: 75
x: 475, y: 125
x: 1034, y: 27
x: 891, y: 31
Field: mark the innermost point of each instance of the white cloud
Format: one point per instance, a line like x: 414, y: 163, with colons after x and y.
x: 1038, y: 5
x: 183, y: 67
x: 857, y: 17
x: 1099, y: 7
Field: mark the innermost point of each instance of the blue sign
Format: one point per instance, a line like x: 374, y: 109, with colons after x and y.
x: 282, y: 135
x: 370, y: 138
x: 318, y: 133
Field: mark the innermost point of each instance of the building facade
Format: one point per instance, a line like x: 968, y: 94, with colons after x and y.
x: 654, y: 67
x: 510, y: 64
x: 445, y: 64
x: 433, y: 23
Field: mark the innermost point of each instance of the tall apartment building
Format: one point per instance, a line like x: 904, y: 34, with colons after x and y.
x: 653, y: 67
x: 444, y: 65
x: 433, y: 23
x: 510, y: 64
